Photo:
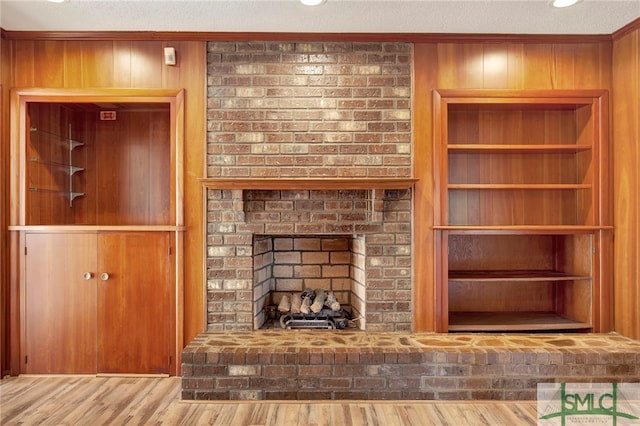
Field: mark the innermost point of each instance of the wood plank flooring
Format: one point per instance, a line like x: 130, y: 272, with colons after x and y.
x: 73, y: 400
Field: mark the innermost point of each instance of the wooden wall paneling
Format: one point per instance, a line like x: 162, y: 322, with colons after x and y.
x: 565, y: 66
x: 539, y: 68
x: 592, y: 65
x: 84, y: 208
x: 140, y: 161
x: 495, y: 70
x: 146, y: 64
x: 122, y: 64
x: 72, y: 63
x: 4, y: 200
x: 48, y: 68
x: 159, y: 168
x: 98, y: 68
x: 23, y: 64
x: 59, y: 177
x: 192, y: 70
x: 626, y: 138
x: 427, y: 314
x: 111, y: 159
x: 515, y: 67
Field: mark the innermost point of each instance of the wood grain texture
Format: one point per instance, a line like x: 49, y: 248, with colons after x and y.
x: 60, y: 306
x: 133, y: 312
x: 626, y: 155
x: 102, y: 401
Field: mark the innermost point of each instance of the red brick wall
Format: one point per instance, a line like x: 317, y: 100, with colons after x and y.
x: 309, y: 110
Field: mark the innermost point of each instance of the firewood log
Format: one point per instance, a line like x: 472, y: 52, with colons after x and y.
x: 296, y: 302
x: 332, y: 302
x: 306, y: 303
x: 285, y: 305
x: 318, y: 302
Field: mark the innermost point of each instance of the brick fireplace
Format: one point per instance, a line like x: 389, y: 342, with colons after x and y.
x: 300, y: 111
x: 309, y: 166
x: 279, y: 242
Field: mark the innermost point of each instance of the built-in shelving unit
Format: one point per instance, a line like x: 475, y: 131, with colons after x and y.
x: 522, y: 178
x: 96, y: 225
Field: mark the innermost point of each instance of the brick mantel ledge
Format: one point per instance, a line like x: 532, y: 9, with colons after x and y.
x: 307, y: 183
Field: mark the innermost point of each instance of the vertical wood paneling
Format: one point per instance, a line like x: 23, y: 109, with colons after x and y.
x: 72, y: 64
x: 538, y: 68
x: 49, y: 71
x: 564, y: 65
x: 495, y: 66
x: 190, y: 73
x: 122, y: 73
x: 159, y: 167
x: 23, y: 69
x: 426, y: 57
x: 626, y: 155
x: 146, y: 68
x: 98, y: 64
x: 515, y: 67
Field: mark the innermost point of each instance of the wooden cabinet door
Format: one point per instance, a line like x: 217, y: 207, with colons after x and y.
x: 134, y: 302
x: 60, y: 304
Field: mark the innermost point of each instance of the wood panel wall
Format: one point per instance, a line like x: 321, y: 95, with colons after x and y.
x: 626, y: 152
x: 4, y: 211
x: 91, y: 64
x: 495, y: 64
x: 504, y: 65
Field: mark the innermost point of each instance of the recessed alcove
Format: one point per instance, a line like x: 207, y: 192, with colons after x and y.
x: 286, y: 265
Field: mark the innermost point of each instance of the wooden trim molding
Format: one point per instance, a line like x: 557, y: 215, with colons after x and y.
x: 308, y: 184
x: 274, y: 36
x: 627, y: 29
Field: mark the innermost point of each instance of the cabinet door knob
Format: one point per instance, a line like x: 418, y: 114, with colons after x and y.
x: 87, y: 275
x: 104, y: 276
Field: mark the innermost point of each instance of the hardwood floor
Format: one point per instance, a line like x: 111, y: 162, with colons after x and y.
x: 73, y: 400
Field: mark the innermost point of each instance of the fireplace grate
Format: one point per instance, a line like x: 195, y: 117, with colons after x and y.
x: 325, y: 319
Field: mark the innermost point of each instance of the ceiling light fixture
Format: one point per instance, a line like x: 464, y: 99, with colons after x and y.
x: 57, y: 1
x: 312, y: 2
x: 563, y: 3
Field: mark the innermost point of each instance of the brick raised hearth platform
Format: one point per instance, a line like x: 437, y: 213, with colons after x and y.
x: 356, y: 365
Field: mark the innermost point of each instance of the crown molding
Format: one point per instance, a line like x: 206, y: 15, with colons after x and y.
x: 336, y: 37
x: 627, y: 29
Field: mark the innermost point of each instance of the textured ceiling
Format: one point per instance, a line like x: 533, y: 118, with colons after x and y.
x: 335, y: 16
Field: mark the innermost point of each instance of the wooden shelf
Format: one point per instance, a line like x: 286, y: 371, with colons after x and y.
x: 512, y: 321
x: 518, y: 186
x: 96, y: 228
x: 491, y: 149
x: 514, y: 275
x: 308, y: 184
x: 521, y: 229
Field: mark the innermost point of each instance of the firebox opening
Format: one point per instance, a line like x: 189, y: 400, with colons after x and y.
x: 286, y: 265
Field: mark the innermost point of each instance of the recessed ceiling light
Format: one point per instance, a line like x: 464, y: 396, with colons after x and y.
x: 57, y: 1
x: 563, y: 3
x: 312, y: 2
